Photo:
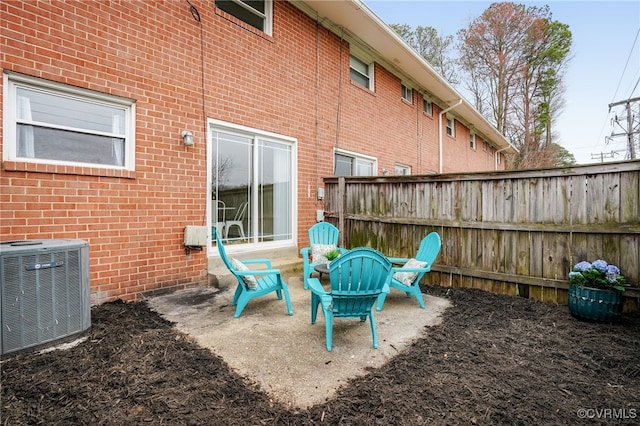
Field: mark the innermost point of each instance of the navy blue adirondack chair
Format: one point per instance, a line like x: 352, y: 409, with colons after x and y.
x: 407, y: 278
x: 253, y: 283
x: 358, y: 277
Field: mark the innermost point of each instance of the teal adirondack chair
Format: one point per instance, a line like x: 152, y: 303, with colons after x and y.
x: 253, y: 283
x: 358, y: 277
x: 407, y: 278
x: 323, y: 237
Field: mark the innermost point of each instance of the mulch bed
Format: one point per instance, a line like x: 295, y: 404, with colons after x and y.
x: 494, y: 360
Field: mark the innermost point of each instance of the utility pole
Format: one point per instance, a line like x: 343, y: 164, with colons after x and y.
x: 602, y: 155
x: 631, y: 129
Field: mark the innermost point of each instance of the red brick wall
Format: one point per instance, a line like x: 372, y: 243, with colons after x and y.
x: 150, y: 51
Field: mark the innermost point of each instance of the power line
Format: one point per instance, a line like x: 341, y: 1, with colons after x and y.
x: 626, y: 64
x: 606, y: 155
x: 636, y: 86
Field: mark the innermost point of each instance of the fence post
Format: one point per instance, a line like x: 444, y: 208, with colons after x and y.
x: 342, y: 197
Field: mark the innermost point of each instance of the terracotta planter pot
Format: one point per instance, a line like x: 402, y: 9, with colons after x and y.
x: 594, y: 304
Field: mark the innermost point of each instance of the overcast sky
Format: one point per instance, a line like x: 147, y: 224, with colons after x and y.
x: 604, y: 69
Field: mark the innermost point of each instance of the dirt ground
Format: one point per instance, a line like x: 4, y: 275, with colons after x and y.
x: 492, y: 360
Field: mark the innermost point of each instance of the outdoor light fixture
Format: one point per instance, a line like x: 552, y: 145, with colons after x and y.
x: 187, y: 138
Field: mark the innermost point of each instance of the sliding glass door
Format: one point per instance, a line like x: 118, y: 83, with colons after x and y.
x: 251, y: 186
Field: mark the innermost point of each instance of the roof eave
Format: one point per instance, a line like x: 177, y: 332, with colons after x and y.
x: 356, y: 18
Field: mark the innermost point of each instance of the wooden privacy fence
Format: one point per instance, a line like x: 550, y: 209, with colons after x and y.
x: 511, y: 232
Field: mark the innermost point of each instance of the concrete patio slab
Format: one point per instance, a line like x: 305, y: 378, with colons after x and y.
x: 286, y: 355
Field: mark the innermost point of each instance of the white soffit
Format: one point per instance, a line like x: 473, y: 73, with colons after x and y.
x: 359, y: 20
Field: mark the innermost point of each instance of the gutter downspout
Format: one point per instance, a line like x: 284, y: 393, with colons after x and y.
x: 443, y: 112
x: 498, y: 154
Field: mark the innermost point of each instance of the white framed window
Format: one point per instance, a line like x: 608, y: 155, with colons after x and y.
x: 253, y: 185
x: 406, y: 92
x: 451, y: 126
x: 402, y: 170
x: 257, y: 13
x: 485, y: 146
x: 353, y: 164
x: 427, y: 107
x: 361, y: 72
x: 472, y: 141
x: 52, y: 123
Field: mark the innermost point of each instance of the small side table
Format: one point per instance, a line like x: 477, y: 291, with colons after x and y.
x: 322, y: 268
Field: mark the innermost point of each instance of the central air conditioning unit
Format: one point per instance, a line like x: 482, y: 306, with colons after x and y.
x: 44, y: 294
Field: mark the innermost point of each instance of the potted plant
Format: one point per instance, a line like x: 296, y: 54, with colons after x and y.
x: 595, y: 291
x: 331, y: 255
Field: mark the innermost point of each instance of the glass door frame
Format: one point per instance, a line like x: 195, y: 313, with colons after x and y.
x: 255, y: 134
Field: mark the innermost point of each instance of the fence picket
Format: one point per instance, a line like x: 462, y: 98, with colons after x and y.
x: 512, y: 232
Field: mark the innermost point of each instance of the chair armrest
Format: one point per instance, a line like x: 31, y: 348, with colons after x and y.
x: 259, y: 272
x: 305, y: 252
x: 265, y: 262
x: 425, y: 269
x: 317, y: 290
x: 316, y: 287
x: 398, y: 259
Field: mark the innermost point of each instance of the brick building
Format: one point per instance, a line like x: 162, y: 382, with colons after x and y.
x: 123, y: 122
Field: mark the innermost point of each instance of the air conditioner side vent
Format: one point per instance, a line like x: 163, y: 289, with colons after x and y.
x: 44, y: 292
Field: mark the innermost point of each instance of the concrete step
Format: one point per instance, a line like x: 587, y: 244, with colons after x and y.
x: 287, y: 260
